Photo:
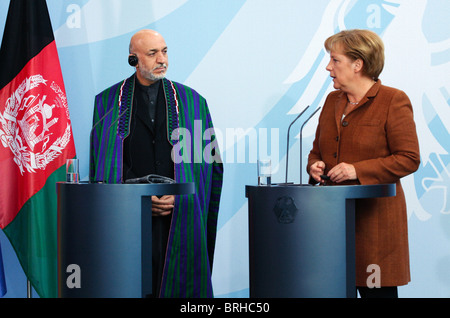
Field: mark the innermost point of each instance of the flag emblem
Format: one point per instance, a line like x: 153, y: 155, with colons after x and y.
x: 30, y: 112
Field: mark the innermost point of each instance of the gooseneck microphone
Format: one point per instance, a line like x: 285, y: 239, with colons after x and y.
x: 287, y: 142
x: 301, y: 138
x: 91, y: 141
x: 103, y: 140
x: 301, y: 141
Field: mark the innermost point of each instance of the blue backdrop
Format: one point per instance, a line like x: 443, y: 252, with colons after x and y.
x: 259, y: 63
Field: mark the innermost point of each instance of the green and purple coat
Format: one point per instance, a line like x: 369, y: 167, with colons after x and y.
x: 191, y: 242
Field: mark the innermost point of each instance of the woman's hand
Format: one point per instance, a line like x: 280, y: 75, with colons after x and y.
x: 342, y: 172
x: 316, y: 170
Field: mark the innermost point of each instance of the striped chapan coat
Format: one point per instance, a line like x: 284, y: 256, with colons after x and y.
x: 191, y: 242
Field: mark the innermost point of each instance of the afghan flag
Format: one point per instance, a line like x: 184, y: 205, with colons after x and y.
x: 36, y: 139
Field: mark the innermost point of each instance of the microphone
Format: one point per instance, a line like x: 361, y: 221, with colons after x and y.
x: 105, y: 134
x: 287, y: 142
x: 301, y: 129
x: 93, y: 128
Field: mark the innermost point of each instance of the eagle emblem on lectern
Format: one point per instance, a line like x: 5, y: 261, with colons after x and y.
x: 285, y: 210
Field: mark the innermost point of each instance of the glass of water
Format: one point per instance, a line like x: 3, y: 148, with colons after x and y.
x: 72, y: 171
x: 264, y: 172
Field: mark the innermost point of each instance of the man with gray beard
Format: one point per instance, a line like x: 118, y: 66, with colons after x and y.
x: 135, y: 140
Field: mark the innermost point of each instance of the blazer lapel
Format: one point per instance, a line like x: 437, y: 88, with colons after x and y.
x: 342, y: 101
x: 339, y: 109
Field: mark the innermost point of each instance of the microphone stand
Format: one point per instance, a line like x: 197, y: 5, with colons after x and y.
x: 104, y: 141
x: 301, y: 138
x: 91, y: 140
x: 287, y: 142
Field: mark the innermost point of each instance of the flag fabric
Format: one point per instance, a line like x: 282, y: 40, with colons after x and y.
x: 36, y: 139
x: 2, y: 276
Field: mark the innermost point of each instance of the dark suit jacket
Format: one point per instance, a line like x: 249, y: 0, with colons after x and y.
x: 379, y: 138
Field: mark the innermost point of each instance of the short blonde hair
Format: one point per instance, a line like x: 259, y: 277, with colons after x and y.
x: 360, y: 44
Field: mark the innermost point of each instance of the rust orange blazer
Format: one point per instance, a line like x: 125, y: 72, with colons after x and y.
x: 379, y: 138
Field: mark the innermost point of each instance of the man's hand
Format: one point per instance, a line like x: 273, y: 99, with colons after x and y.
x: 162, y: 206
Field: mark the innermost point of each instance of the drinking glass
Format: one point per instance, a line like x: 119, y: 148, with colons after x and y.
x: 72, y: 171
x: 264, y: 172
